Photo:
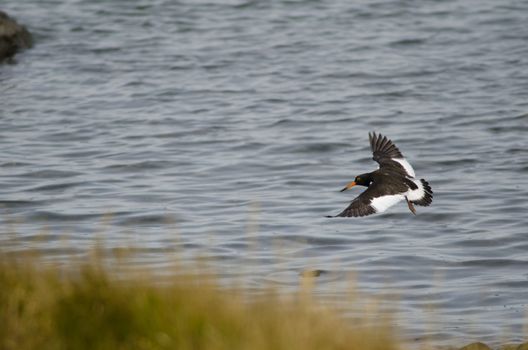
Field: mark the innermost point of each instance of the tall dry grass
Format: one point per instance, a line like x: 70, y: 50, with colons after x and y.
x: 91, y: 305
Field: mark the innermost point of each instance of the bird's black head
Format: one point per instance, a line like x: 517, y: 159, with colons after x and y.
x: 361, y: 180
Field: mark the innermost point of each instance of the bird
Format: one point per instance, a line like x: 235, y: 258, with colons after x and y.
x: 394, y: 181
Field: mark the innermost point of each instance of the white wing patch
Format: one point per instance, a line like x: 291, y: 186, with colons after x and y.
x: 380, y: 204
x: 405, y: 164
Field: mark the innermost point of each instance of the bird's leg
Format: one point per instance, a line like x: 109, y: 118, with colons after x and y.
x: 411, y: 206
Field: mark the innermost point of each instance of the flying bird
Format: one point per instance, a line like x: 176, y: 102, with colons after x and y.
x: 393, y: 182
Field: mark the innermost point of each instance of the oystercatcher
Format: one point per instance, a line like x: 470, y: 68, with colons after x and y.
x: 393, y: 182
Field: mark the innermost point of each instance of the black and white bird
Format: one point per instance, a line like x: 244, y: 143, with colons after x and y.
x: 393, y: 182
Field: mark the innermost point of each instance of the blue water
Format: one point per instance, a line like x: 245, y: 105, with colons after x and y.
x: 225, y: 129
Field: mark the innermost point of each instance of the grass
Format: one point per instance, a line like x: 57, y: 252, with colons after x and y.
x: 92, y: 305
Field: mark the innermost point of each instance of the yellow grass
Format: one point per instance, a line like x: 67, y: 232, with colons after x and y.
x: 89, y: 305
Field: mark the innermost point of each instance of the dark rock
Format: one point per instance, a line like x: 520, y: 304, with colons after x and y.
x: 476, y: 346
x: 311, y: 273
x: 13, y: 37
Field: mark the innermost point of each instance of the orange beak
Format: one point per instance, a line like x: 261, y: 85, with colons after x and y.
x: 349, y: 186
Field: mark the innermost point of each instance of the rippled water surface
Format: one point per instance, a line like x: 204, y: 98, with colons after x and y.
x: 226, y: 129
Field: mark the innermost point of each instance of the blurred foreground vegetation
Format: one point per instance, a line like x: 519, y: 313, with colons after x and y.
x: 90, y: 305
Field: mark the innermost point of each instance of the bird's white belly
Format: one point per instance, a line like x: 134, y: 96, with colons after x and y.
x: 380, y: 204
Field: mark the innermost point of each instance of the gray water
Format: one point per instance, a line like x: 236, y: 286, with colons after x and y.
x: 225, y: 129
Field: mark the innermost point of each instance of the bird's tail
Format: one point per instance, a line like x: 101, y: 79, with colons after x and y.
x: 427, y: 198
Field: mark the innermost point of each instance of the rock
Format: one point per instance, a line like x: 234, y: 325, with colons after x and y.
x: 311, y: 273
x: 13, y: 37
x: 476, y: 346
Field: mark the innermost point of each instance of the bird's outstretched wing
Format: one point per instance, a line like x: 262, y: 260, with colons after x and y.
x: 360, y: 206
x: 388, y: 156
x: 371, y: 201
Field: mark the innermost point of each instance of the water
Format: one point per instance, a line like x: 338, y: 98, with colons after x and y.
x: 225, y: 129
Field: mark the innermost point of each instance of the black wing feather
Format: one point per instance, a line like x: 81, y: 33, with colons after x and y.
x: 383, y: 148
x: 383, y: 151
